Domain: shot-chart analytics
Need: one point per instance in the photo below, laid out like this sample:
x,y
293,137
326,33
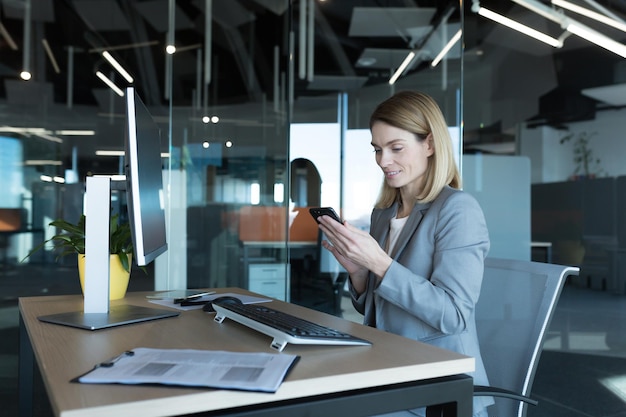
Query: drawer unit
x,y
268,279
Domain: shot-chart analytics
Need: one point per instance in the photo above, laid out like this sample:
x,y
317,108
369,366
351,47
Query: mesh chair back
x,y
513,313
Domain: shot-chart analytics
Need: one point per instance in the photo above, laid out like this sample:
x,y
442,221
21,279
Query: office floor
x,y
582,372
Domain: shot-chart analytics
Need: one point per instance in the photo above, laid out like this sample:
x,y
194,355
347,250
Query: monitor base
x,y
117,316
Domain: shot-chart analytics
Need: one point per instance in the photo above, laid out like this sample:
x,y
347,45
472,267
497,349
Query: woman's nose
x,y
383,159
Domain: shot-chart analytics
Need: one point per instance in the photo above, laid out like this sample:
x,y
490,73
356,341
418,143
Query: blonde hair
x,y
419,114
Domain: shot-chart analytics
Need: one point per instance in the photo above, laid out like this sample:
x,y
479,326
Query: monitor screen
x,y
144,181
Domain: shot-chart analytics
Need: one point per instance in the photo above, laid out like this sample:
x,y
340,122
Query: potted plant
x,y
71,240
587,165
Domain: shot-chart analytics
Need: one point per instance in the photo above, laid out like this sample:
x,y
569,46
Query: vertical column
x,y
97,223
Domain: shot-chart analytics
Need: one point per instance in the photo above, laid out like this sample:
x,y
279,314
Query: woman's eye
x,y
396,149
376,150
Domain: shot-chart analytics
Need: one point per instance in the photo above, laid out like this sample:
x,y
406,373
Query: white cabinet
x,y
269,279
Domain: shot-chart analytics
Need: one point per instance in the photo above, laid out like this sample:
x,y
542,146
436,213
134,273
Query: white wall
x,y
501,184
554,162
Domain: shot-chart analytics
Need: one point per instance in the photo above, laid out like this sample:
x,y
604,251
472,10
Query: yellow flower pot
x,y
118,282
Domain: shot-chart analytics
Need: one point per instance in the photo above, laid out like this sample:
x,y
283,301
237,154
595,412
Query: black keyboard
x,y
283,327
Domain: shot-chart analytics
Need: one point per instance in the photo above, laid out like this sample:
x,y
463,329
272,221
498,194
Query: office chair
x,y
513,313
326,281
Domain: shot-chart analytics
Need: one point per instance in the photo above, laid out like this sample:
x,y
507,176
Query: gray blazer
x,y
430,290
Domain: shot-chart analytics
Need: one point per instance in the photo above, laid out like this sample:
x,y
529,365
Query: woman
x,y
419,271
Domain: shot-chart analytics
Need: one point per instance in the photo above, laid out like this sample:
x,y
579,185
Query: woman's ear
x,y
430,144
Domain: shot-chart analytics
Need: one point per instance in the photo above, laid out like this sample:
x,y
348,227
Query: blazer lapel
x,y
380,231
409,228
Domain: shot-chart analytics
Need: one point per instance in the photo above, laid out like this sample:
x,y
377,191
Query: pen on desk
x,y
188,303
112,361
191,297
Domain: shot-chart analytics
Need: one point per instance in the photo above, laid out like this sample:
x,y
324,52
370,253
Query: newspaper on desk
x,y
194,368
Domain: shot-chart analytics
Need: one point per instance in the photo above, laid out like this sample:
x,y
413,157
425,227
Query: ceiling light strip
x,y
53,60
118,67
208,42
125,46
447,48
110,83
171,27
109,153
402,67
25,74
575,27
604,10
541,9
590,14
596,37
302,40
7,37
34,162
528,31
74,132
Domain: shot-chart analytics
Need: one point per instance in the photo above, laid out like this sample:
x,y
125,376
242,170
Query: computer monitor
x,y
146,215
144,181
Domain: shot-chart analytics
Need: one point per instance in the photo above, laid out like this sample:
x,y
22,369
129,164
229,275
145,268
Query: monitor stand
x,y
117,316
97,314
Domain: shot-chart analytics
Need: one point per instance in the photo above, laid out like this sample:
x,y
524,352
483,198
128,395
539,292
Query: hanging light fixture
x,y
25,74
590,14
575,27
110,83
118,67
512,24
447,48
402,67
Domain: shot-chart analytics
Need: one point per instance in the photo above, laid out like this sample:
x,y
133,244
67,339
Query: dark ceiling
x,y
244,36
255,26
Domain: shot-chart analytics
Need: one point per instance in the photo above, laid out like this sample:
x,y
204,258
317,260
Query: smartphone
x,y
324,211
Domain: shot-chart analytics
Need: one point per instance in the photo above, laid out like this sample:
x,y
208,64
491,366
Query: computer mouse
x,y
224,299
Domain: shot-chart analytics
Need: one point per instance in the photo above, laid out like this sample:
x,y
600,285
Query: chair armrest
x,y
482,391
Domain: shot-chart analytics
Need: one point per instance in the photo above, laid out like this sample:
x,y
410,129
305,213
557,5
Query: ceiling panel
x,y
228,13
152,11
615,94
385,58
101,15
388,21
32,92
277,7
336,83
41,11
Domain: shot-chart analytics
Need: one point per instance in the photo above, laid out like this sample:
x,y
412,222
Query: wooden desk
x,y
394,373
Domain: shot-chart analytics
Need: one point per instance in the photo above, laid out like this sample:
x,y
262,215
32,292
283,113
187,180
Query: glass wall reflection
x,y
264,109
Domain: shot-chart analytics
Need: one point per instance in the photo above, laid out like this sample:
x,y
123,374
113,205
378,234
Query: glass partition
x,y
356,65
214,77
263,109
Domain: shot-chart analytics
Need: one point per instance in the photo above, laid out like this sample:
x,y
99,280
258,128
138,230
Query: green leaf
x,y
71,239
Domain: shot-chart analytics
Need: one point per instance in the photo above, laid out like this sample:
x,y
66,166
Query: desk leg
x,y
26,362
451,401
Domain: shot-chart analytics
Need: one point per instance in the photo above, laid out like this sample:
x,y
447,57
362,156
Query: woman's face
x,y
401,156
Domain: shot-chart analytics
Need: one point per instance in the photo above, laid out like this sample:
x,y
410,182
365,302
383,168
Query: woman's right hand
x,y
357,251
